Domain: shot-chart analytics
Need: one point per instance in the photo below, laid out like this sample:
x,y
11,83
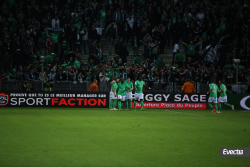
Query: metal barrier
x,y
65,85
14,85
17,85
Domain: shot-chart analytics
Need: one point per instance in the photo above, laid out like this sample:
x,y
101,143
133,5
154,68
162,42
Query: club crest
x,y
4,99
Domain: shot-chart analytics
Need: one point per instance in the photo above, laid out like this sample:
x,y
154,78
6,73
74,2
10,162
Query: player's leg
x,y
111,104
141,98
130,100
135,101
119,102
130,104
227,104
126,100
210,100
219,103
111,100
115,102
123,100
215,100
219,106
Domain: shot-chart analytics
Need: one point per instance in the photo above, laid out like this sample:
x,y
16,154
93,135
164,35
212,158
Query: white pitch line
x,y
185,113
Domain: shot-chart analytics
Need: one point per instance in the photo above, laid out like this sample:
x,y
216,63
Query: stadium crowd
x,y
68,31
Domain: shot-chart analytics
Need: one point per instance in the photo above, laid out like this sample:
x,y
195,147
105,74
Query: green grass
x,y
46,137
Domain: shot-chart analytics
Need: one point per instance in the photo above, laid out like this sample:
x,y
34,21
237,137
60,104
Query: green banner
x,y
240,101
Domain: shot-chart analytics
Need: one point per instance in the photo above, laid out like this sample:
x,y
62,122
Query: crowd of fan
x,y
64,30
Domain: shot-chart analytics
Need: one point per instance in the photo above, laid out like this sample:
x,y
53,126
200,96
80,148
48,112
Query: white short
x,y
212,99
122,97
128,95
139,96
222,99
112,95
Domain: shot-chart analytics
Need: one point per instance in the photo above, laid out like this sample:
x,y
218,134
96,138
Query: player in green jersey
x,y
129,94
213,89
139,96
113,95
223,96
122,89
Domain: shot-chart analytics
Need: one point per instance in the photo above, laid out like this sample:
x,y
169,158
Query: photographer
x,y
27,87
47,85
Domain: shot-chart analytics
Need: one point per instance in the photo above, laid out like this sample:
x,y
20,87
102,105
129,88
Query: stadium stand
x,y
167,42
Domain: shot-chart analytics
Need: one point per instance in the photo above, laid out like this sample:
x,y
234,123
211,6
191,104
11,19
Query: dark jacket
x,y
66,77
111,32
93,34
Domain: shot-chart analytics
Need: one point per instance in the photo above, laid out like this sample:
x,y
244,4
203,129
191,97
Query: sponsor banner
x,y
235,152
54,99
240,101
176,101
171,105
175,98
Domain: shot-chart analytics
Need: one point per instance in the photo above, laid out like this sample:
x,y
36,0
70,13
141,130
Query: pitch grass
x,y
46,137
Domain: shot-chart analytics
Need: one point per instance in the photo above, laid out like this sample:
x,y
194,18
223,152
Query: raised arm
x,y
155,46
143,43
182,42
199,42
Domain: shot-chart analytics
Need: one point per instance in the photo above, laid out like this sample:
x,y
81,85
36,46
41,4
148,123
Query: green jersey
x,y
191,49
139,86
110,73
114,85
77,64
122,88
213,92
102,14
223,93
55,37
130,85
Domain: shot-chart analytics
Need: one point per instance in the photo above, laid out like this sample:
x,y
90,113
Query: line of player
x,y
122,91
213,89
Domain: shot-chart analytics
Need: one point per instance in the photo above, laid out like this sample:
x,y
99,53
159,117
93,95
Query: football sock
x,y
219,107
216,107
111,104
119,104
114,104
141,104
211,106
135,104
229,105
127,103
130,103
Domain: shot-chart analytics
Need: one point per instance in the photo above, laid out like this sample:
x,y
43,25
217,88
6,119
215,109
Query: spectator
x,y
59,76
50,43
110,36
191,48
93,34
27,87
126,32
188,87
119,46
55,21
85,39
176,49
93,87
47,85
135,45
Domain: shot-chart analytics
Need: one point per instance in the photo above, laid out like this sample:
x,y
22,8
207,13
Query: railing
x,y
66,85
105,86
